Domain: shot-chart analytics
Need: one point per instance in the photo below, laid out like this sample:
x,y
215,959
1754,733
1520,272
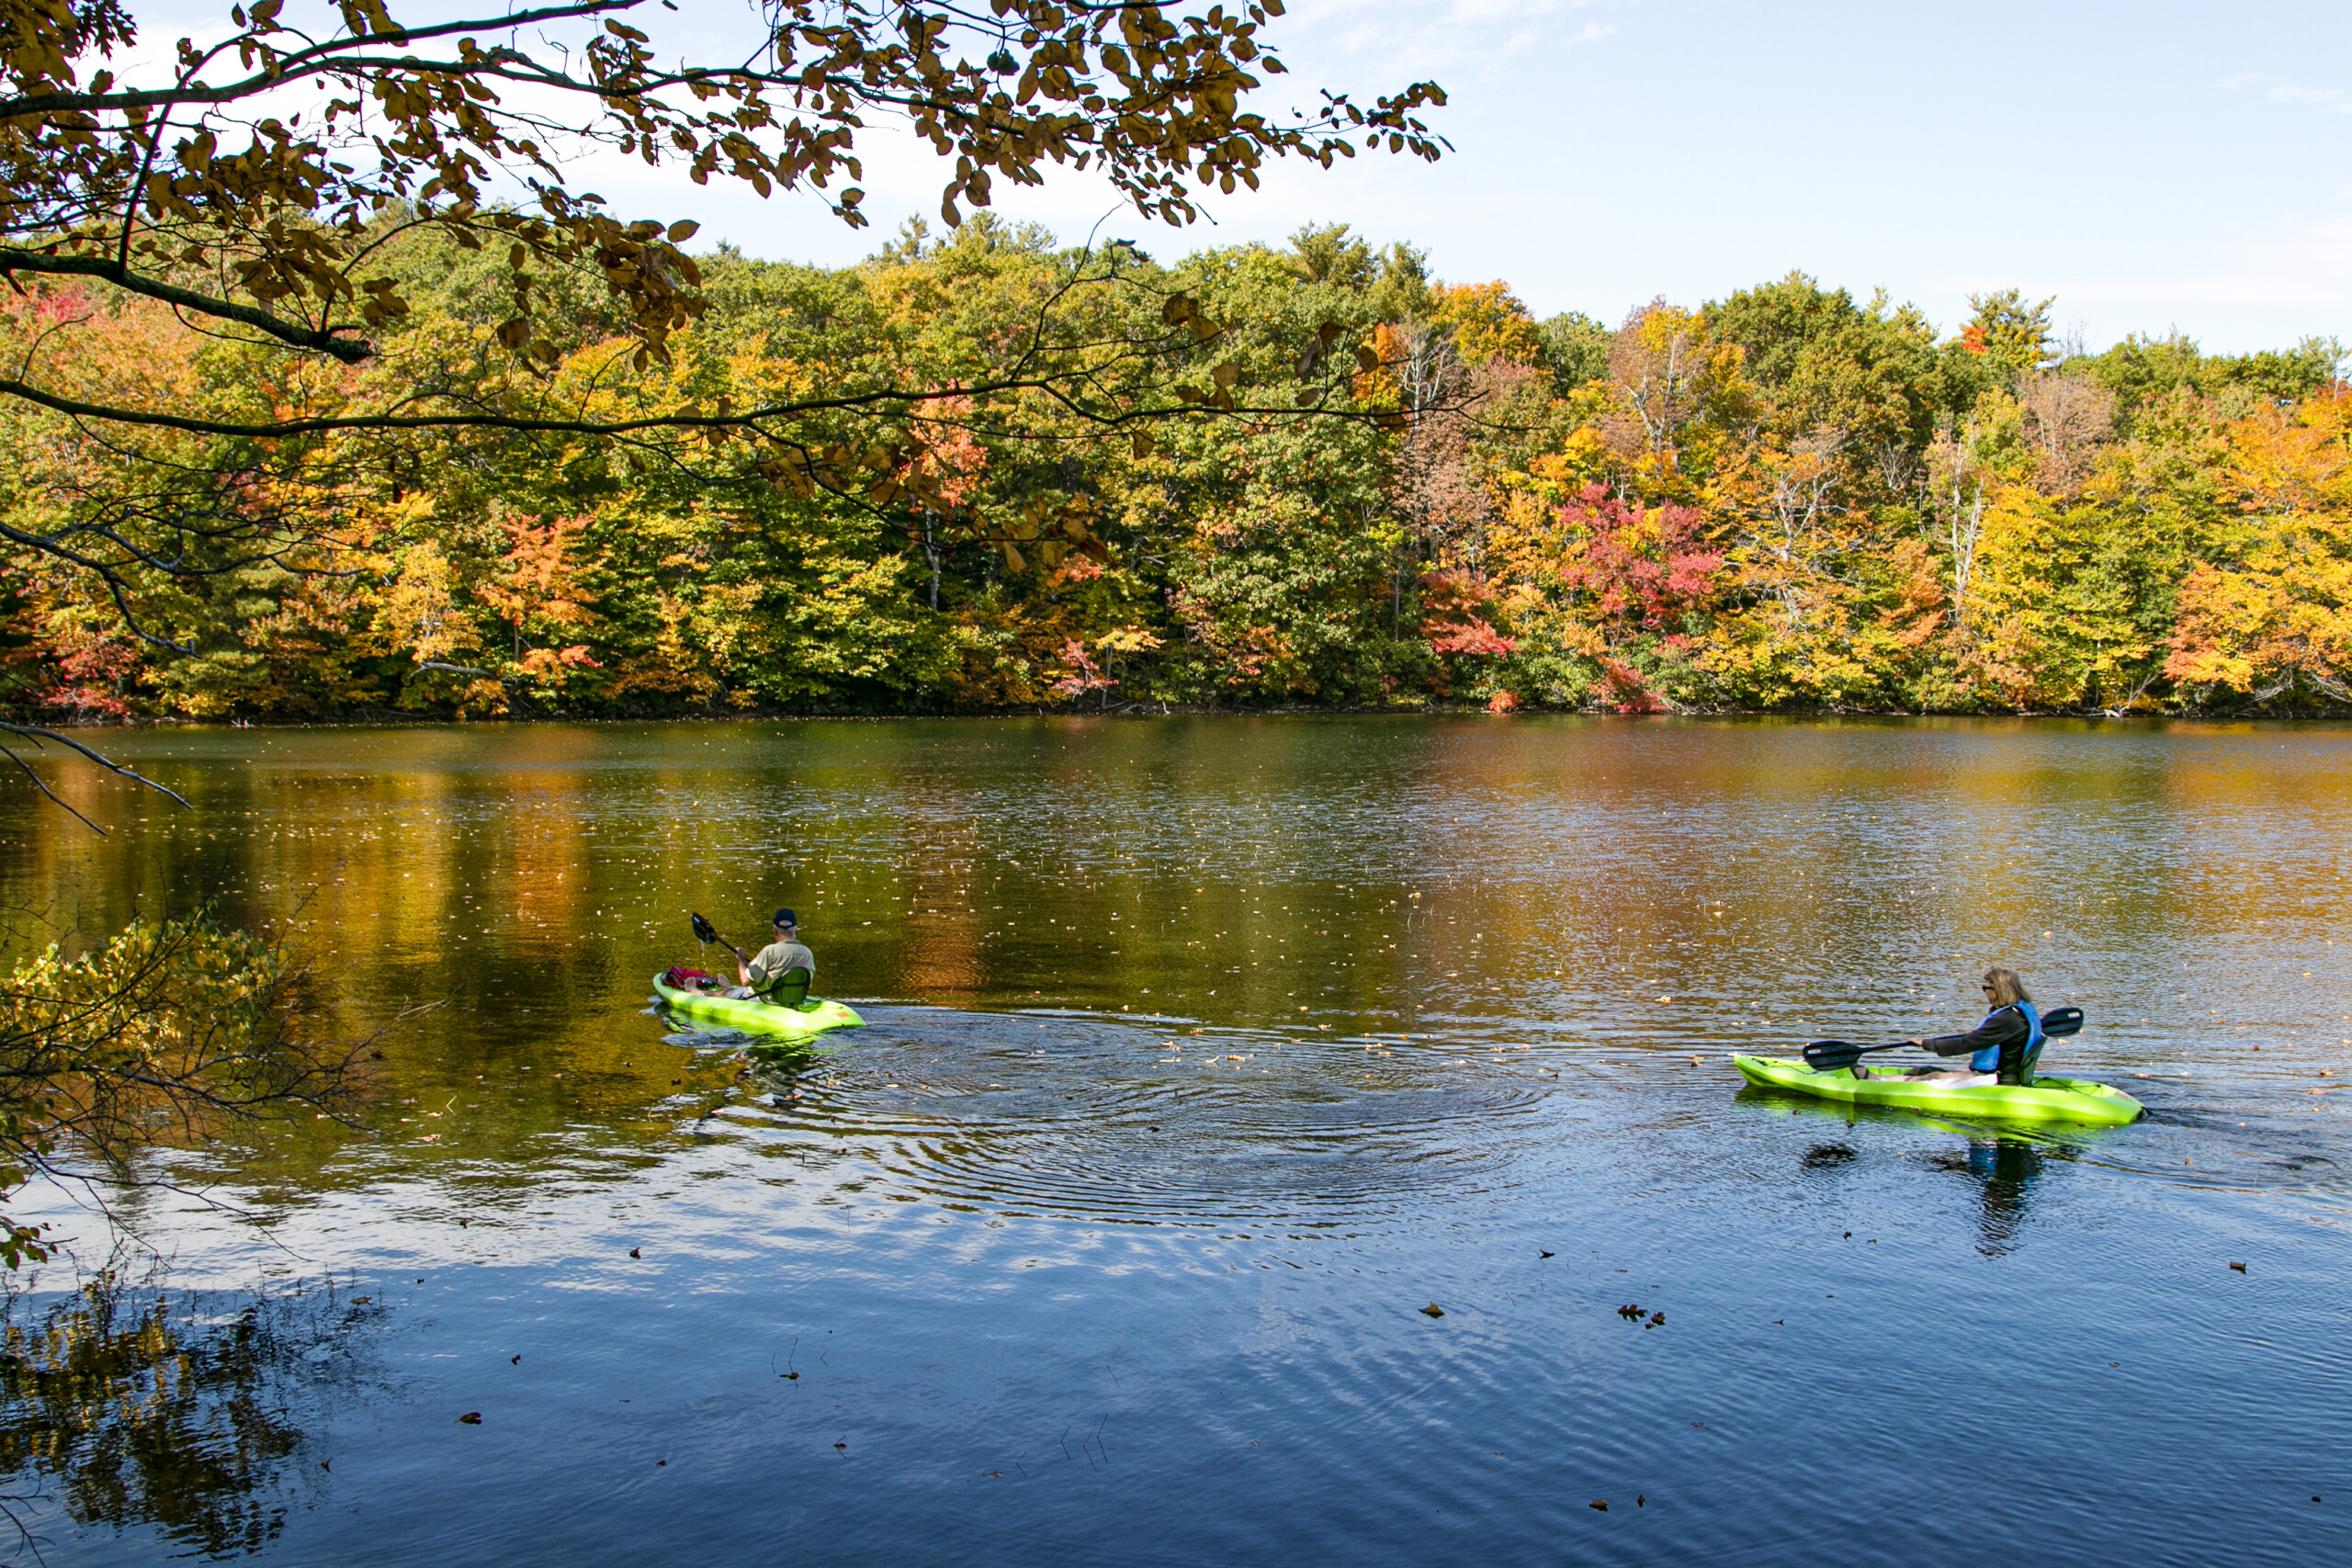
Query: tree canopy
x,y
260,182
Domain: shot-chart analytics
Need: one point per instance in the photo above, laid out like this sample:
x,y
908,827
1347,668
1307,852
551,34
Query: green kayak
x,y
805,1021
2046,1099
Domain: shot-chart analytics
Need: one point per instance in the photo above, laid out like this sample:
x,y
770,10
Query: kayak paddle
x,y
1828,1056
707,933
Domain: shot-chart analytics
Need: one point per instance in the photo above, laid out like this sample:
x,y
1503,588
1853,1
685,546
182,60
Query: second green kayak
x,y
808,1020
2046,1099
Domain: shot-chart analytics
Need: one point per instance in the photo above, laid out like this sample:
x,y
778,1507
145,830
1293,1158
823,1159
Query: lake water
x,y
1202,1054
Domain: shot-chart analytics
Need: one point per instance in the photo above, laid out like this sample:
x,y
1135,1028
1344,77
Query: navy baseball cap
x,y
786,918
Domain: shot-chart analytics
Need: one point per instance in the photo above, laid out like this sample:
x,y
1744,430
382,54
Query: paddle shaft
x,y
1828,1056
706,932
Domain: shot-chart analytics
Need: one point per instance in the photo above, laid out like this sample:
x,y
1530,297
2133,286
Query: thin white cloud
x,y
2301,267
1511,10
1431,37
2283,94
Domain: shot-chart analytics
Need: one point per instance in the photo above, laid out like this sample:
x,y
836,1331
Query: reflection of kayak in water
x,y
2045,1099
802,1020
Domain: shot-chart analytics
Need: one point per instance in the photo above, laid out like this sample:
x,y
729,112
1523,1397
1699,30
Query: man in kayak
x,y
759,973
1996,1048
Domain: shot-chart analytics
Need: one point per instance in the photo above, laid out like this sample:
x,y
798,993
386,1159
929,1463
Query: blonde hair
x,y
2005,986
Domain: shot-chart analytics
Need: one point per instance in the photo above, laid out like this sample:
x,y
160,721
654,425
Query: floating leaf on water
x,y
1599,1503
471,1418
844,1447
1539,1253
513,1360
791,1377
1657,1319
633,1252
1432,1310
2239,1267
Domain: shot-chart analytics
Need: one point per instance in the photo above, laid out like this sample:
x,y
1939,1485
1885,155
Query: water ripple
x,y
1108,1120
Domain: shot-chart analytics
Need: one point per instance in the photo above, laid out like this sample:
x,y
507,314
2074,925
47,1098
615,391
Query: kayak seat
x,y
2020,1075
789,989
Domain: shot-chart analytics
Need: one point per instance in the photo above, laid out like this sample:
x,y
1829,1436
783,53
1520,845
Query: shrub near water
x,y
168,1032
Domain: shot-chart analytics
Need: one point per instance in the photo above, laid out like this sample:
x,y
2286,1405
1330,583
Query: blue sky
x,y
2151,164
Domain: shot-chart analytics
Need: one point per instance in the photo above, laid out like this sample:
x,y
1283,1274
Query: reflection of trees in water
x,y
2005,1170
126,1405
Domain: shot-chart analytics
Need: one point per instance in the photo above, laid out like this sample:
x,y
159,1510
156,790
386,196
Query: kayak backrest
x,y
789,989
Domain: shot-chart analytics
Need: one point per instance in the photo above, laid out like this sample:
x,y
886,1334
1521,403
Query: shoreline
x,y
388,719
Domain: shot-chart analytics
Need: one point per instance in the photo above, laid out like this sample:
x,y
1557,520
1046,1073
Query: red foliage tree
x,y
1642,565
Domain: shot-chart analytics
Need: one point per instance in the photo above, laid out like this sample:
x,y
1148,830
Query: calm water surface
x,y
1202,1054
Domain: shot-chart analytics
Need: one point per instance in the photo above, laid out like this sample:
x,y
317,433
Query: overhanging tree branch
x,y
351,351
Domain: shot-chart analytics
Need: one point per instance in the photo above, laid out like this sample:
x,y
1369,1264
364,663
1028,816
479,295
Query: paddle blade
x,y
1828,1056
704,931
2062,1020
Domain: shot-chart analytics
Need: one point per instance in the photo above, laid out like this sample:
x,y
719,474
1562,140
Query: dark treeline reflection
x,y
127,1405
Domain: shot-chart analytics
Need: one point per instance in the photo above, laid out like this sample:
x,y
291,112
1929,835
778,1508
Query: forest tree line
x,y
1785,498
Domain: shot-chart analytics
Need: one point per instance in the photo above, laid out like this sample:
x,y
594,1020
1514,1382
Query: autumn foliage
x,y
1421,495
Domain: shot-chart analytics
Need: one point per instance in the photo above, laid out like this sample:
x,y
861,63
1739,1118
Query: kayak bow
x,y
2046,1099
805,1021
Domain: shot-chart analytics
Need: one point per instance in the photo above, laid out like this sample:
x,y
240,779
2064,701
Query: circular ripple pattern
x,y
1082,1117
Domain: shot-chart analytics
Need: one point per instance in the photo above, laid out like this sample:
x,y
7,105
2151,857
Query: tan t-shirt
x,y
775,958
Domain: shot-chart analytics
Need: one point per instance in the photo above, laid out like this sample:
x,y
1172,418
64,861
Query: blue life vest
x,y
1989,1060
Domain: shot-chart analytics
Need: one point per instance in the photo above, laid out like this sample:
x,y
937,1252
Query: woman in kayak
x,y
1997,1049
